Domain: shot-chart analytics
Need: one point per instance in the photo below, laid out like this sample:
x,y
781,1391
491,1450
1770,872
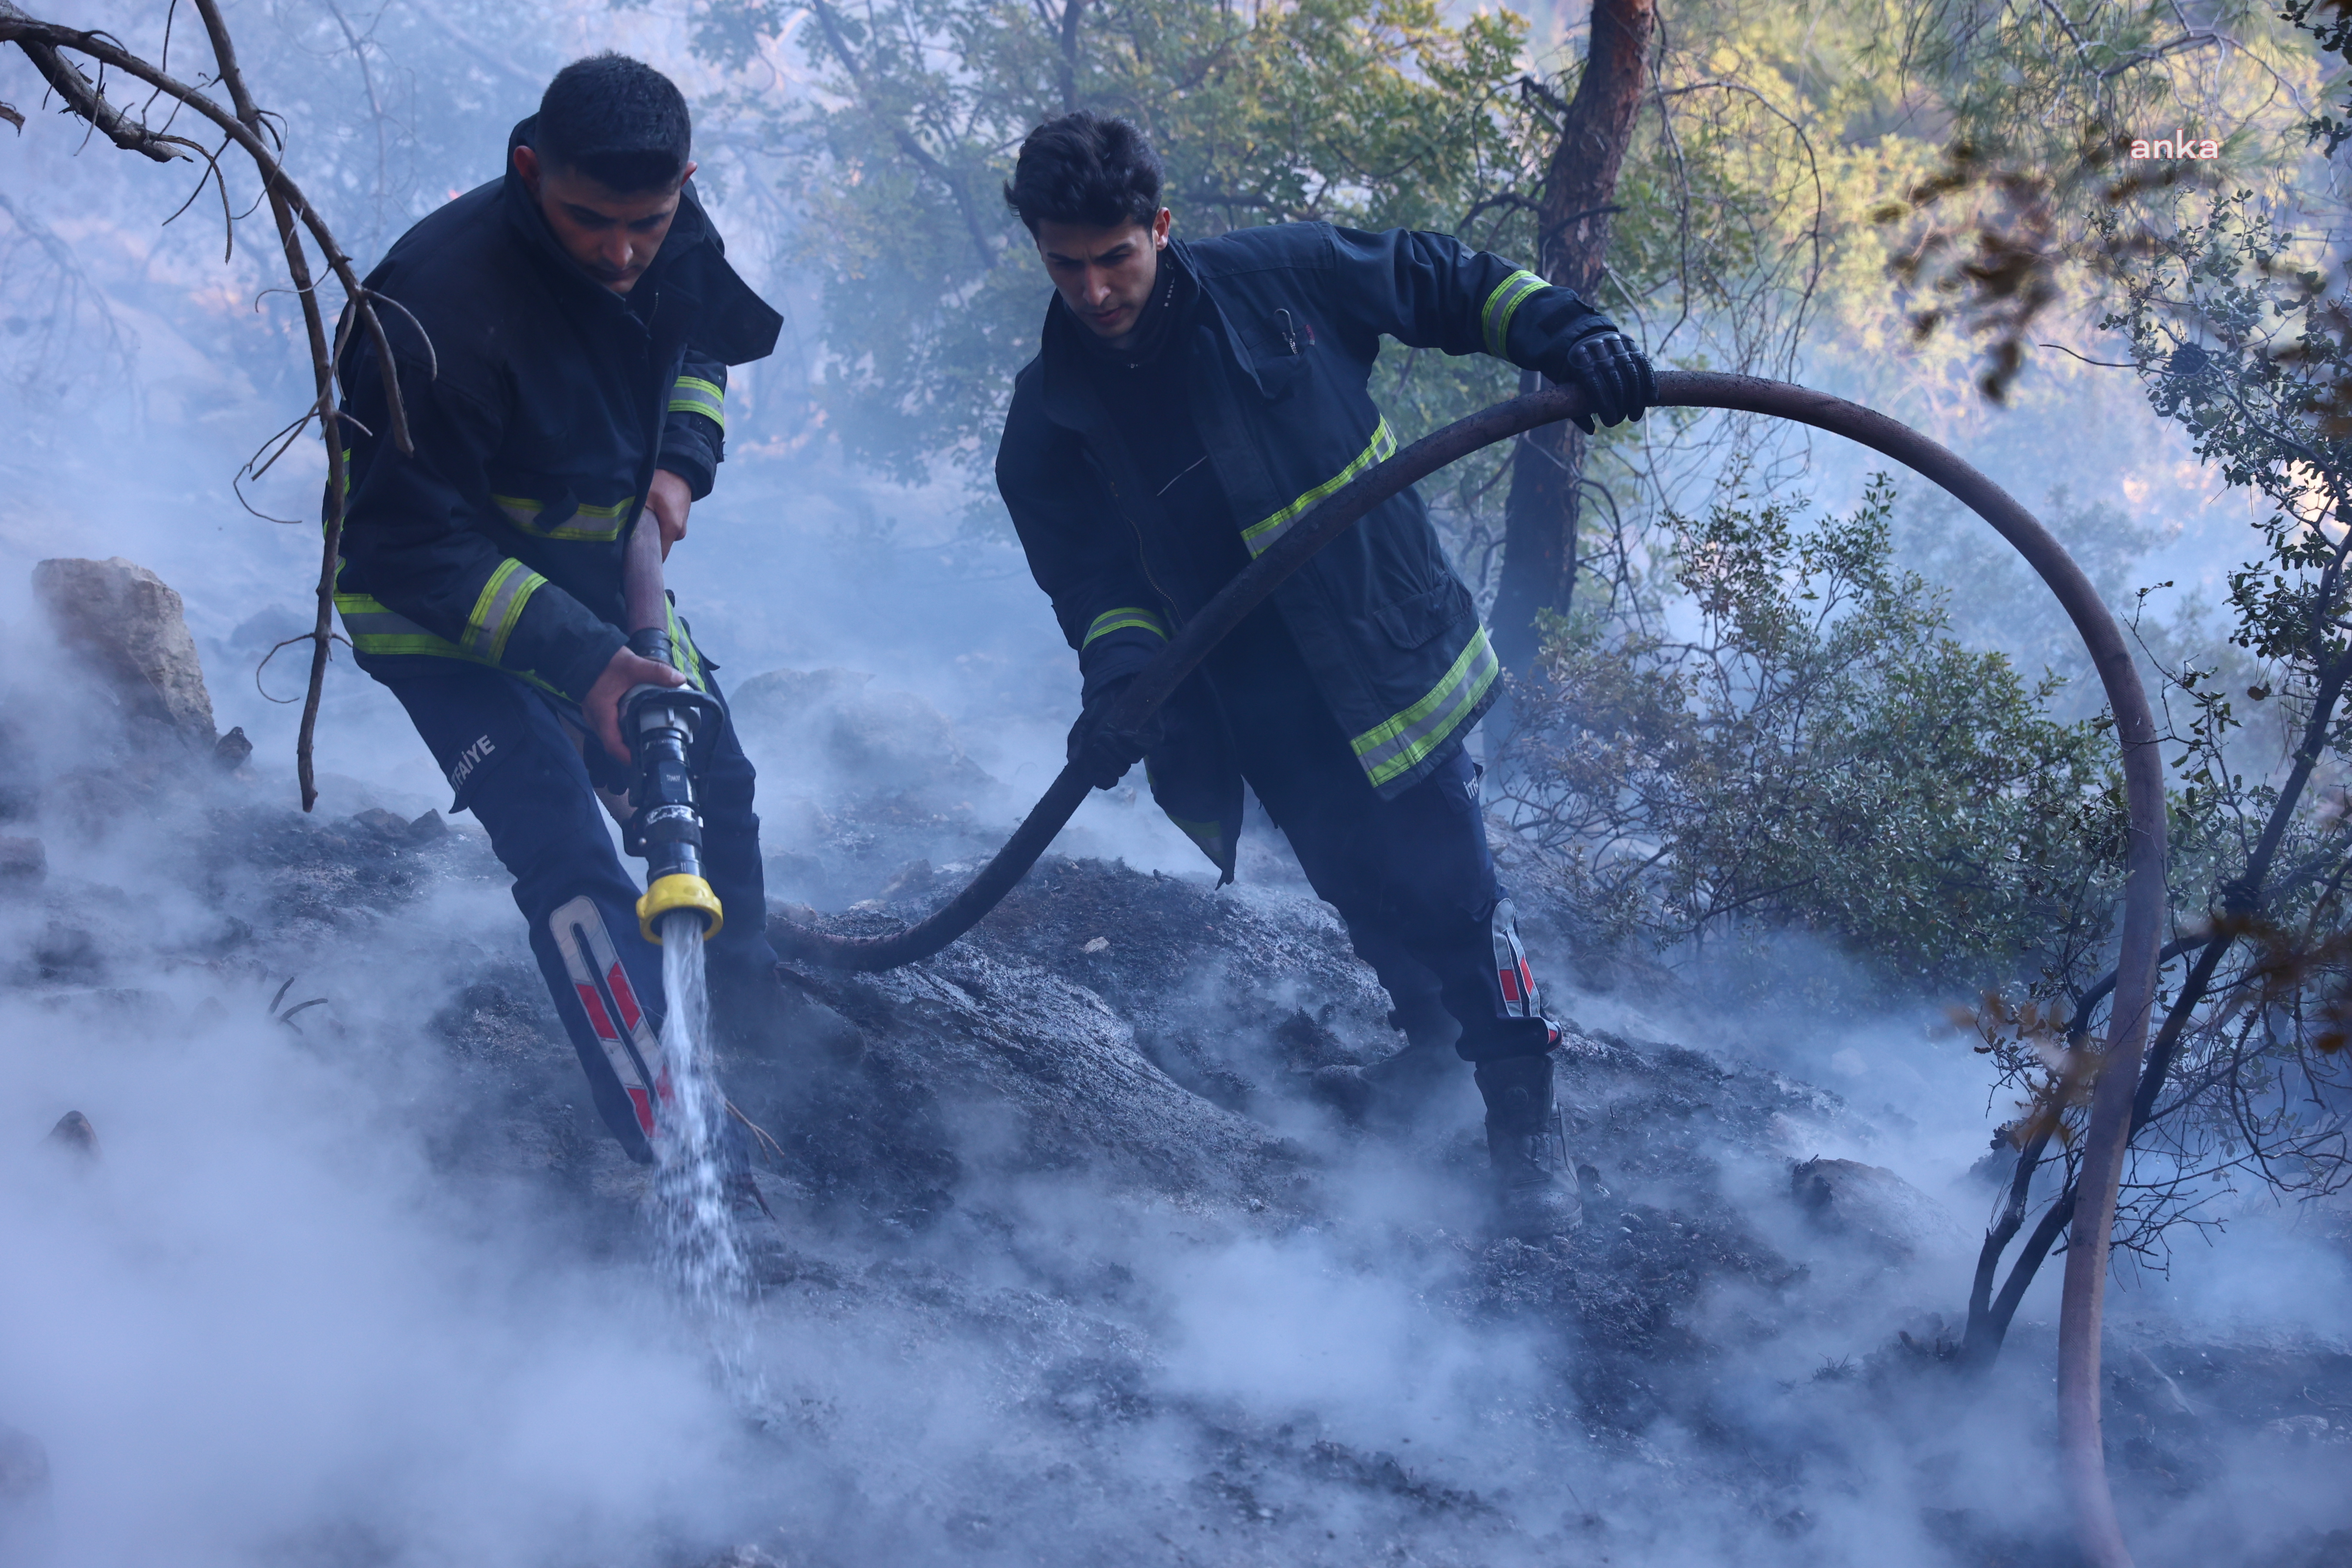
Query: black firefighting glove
x,y
1612,373
1102,754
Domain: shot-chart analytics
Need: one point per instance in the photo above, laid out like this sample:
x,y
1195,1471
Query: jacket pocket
x,y
1279,348
1410,623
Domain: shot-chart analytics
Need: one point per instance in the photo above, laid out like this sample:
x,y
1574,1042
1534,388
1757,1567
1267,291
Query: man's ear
x,y
1160,229
525,162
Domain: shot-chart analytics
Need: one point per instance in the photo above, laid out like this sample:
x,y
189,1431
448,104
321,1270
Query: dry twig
x,y
250,128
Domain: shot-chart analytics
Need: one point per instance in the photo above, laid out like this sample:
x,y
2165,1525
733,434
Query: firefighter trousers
x,y
517,763
1412,877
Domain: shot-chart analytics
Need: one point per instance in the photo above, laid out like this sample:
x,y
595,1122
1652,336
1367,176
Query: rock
x,y
74,1135
376,818
22,859
428,827
1871,1204
232,750
131,627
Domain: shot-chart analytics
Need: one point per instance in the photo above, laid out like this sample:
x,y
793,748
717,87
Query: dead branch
x,y
84,98
251,129
322,365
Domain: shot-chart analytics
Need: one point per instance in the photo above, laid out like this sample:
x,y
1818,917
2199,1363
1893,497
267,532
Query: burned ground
x,y
1035,1175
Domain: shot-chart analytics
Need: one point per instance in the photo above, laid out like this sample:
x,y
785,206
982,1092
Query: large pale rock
x,y
130,627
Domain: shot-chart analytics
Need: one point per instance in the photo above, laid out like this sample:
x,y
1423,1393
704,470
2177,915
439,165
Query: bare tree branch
x,y
248,125
82,96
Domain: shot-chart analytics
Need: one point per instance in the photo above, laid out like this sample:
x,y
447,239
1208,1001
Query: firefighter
x,y
562,336
1187,405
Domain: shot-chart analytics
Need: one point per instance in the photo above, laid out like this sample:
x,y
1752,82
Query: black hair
x,y
1085,170
617,121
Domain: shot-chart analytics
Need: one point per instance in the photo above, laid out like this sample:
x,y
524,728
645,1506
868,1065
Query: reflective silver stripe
x,y
499,608
695,396
1495,319
1397,745
1260,536
1135,616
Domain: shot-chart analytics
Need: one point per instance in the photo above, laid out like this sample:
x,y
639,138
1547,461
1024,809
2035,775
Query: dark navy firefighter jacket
x,y
1282,341
539,410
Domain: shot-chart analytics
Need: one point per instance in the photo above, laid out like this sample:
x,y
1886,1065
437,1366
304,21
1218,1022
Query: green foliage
x,y
1818,753
1371,113
2251,354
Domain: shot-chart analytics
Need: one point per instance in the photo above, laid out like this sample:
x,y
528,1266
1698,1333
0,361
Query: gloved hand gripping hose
x,y
670,730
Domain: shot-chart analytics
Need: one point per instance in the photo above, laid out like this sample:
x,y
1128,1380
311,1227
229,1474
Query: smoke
x,y
337,1291
259,1329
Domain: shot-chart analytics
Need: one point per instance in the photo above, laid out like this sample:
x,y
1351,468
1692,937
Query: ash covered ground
x,y
1073,1265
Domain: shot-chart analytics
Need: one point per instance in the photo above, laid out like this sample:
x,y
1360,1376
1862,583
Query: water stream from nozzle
x,y
693,1216
699,1242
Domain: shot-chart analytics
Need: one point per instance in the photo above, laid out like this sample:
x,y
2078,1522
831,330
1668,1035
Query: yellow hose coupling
x,y
679,892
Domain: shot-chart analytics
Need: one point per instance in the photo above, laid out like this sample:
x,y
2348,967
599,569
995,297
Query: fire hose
x,y
2083,1458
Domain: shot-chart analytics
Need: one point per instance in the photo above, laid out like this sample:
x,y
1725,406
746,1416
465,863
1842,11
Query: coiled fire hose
x,y
2082,1458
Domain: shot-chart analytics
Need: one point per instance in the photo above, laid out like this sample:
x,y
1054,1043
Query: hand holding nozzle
x,y
626,672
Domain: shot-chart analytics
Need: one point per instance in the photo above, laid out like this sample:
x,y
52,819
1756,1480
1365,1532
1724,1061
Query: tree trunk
x,y
1572,245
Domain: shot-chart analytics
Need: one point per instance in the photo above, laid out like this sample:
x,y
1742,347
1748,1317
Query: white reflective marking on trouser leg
x,y
1511,970
615,1015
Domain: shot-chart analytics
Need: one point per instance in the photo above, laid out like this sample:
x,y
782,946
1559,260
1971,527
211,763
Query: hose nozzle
x,y
669,730
677,891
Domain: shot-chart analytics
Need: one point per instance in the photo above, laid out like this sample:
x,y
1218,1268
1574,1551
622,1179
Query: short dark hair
x,y
617,121
1086,170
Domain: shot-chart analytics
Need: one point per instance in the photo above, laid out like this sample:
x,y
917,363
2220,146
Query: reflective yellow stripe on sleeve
x,y
498,609
1126,616
1395,746
694,395
374,629
386,633
1260,536
1494,318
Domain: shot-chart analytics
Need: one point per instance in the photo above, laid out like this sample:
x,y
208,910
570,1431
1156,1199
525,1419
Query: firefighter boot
x,y
1528,1147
